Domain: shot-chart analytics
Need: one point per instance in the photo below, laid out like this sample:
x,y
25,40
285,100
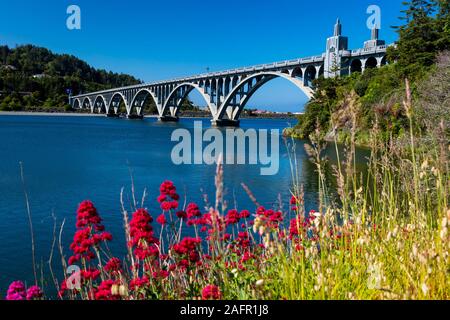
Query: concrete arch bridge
x,y
227,93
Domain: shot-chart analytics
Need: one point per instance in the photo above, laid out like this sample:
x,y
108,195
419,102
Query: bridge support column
x,y
225,123
168,119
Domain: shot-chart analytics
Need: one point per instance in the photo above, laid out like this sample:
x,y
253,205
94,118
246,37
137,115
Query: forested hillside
x,y
34,78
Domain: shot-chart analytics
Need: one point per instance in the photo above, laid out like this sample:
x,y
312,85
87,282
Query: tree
x,y
423,35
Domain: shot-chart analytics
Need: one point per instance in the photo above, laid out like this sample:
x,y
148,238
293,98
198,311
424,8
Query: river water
x,y
69,159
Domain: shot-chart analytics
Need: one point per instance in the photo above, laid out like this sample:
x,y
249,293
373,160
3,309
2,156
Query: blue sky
x,y
159,39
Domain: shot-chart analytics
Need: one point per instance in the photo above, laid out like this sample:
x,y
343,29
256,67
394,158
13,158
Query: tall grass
x,y
385,237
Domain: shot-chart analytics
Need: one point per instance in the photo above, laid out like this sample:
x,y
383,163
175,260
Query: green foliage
x,y
424,34
40,78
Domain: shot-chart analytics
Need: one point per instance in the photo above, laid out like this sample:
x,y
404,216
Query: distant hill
x,y
34,78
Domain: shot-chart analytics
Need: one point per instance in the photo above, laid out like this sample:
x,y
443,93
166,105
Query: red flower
x,y
181,214
113,266
293,200
193,211
139,283
141,233
188,250
232,217
211,292
103,292
244,214
89,234
270,217
161,198
161,219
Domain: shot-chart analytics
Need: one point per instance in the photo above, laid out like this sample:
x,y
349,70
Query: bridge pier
x,y
112,115
168,119
225,123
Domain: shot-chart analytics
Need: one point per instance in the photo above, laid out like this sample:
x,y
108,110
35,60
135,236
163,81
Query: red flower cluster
x,y
161,219
113,266
17,291
188,251
90,233
211,292
168,197
232,217
271,218
194,215
104,292
139,283
141,233
154,268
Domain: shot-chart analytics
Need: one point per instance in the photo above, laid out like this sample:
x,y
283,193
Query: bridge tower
x,y
337,48
374,41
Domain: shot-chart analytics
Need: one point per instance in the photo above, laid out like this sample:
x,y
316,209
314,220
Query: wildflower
x,y
161,219
34,293
90,274
181,214
269,218
211,292
142,237
90,233
113,266
168,205
16,291
259,283
187,250
424,288
244,214
193,211
232,217
87,215
139,283
104,291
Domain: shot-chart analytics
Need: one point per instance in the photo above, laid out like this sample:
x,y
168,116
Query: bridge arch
x,y
76,104
356,66
310,75
179,93
87,103
114,104
371,63
144,94
297,73
261,79
100,102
